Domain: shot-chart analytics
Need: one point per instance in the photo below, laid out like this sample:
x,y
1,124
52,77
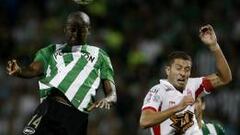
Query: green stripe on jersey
x,y
83,90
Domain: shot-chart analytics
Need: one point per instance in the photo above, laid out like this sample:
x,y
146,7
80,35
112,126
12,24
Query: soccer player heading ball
x,y
69,75
168,107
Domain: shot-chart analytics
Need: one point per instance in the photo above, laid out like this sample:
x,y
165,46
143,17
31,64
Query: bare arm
x,y
223,75
33,70
150,118
111,96
110,91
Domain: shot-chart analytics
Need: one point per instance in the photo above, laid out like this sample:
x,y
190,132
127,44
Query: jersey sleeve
x,y
106,69
220,130
153,99
43,56
202,86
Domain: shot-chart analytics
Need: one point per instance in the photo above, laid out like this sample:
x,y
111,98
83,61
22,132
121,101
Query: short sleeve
x,y
106,69
203,86
220,130
43,55
153,99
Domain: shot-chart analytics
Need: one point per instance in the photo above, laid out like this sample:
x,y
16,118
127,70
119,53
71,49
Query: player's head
x,y
199,108
77,28
178,69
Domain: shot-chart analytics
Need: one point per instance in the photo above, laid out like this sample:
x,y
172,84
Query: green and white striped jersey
x,y
212,128
76,71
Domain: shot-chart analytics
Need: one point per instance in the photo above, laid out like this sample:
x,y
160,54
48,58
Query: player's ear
x,y
167,70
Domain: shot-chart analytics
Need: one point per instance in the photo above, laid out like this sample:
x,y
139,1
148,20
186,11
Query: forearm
x,y
27,72
111,94
150,118
223,68
110,91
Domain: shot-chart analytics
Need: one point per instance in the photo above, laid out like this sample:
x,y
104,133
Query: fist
x,y
186,100
13,68
207,35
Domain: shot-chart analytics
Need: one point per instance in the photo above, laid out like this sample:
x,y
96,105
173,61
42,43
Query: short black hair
x,y
80,18
178,55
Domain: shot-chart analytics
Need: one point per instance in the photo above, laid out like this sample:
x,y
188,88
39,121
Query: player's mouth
x,y
181,81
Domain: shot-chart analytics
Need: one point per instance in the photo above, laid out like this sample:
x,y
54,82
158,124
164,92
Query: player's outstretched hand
x,y
208,36
13,68
102,104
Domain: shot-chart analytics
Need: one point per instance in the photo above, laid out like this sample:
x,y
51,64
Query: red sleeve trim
x,y
149,107
207,85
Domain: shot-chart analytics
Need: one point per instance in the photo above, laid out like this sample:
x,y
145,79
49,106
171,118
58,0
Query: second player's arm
x,y
223,75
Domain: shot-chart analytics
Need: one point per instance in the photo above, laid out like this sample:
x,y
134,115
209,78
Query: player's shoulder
x,y
96,48
51,47
158,88
194,80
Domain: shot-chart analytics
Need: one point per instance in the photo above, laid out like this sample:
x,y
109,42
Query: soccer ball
x,y
83,2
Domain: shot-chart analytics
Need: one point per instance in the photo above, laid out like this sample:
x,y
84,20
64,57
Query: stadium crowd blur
x,y
138,35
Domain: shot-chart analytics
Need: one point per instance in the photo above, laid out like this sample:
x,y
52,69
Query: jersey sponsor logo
x,y
28,131
153,91
88,57
182,122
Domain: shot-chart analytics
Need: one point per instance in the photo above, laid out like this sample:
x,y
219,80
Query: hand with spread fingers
x,y
102,104
13,68
208,36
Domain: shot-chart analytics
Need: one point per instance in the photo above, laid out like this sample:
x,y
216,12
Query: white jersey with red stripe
x,y
163,96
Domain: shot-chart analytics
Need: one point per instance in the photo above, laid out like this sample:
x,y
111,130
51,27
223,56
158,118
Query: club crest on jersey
x,y
58,52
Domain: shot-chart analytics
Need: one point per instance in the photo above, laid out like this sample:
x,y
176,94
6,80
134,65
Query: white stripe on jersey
x,y
64,71
82,76
43,86
92,91
211,129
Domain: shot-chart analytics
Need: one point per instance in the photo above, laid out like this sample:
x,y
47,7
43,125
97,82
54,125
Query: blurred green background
x,y
138,35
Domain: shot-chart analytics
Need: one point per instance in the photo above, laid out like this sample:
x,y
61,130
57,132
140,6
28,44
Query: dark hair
x,y
79,17
178,55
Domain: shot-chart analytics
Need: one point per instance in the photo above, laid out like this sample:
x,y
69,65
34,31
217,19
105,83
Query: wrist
x,y
214,47
19,72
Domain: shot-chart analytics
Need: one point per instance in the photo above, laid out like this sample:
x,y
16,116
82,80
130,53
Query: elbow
x,y
144,123
228,79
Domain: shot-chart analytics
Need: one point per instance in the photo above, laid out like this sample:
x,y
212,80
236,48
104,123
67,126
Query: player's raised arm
x,y
33,70
223,75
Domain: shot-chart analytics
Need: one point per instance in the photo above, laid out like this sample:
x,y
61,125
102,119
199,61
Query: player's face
x,y
75,33
178,73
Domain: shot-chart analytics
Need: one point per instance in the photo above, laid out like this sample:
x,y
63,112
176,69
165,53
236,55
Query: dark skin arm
x,y
111,96
33,70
